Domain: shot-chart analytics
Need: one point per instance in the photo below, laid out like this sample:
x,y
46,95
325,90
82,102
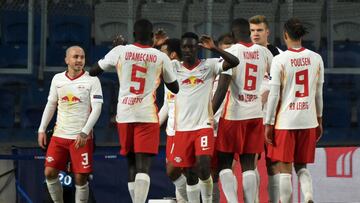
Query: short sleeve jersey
x,y
73,97
244,101
193,107
297,72
139,69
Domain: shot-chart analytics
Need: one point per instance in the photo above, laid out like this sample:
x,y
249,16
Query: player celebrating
x,y
171,47
78,99
240,126
259,28
294,111
193,114
139,67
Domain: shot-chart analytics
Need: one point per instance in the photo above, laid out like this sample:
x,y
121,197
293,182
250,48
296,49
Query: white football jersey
x,y
139,69
297,71
244,100
169,100
193,107
73,98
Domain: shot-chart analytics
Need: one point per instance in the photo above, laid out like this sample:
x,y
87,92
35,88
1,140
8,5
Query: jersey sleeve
x,y
110,59
275,72
167,70
321,71
53,96
96,95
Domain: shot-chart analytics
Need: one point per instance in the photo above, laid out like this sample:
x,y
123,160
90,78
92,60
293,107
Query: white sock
x,y
216,192
273,188
131,188
229,185
257,200
179,198
180,185
193,193
55,190
249,186
82,193
306,183
142,184
206,188
285,187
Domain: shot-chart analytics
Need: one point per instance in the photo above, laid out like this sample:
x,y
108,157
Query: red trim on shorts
x,y
296,50
67,75
141,45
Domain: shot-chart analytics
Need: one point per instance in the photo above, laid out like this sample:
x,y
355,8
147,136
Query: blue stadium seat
x,y
14,28
69,30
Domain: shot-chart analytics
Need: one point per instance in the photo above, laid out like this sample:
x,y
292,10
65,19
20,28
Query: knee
x,y
173,173
81,179
51,173
192,179
204,172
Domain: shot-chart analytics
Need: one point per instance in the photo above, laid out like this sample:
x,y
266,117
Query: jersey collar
x,y
297,50
66,74
191,67
246,44
141,45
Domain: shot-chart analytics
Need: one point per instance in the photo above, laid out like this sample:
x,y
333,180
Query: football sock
x,y
249,186
285,187
55,190
180,185
82,193
193,193
131,187
273,188
206,188
142,184
229,185
257,200
306,183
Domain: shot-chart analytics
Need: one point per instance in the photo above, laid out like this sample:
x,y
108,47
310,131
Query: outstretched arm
x,y
230,60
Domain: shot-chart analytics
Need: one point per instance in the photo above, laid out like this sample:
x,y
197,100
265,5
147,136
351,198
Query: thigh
x,y
305,146
126,137
57,155
254,136
184,150
82,158
146,138
284,146
229,138
204,142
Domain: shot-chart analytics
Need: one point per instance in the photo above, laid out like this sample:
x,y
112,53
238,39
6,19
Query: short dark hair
x,y
295,29
225,39
240,27
190,35
173,45
143,30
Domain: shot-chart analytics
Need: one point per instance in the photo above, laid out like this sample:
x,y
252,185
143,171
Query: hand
x,y
42,140
269,134
207,42
160,37
81,140
118,40
319,132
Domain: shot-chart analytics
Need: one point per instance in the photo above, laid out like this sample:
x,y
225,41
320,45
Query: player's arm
x,y
220,92
273,101
163,113
96,100
230,60
109,61
168,75
48,113
319,100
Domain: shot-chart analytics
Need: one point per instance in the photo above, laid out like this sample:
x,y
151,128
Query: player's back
x,y
244,101
300,71
139,68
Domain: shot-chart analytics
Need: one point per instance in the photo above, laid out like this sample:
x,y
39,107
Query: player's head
x,y
189,46
240,29
143,31
259,28
171,47
75,58
225,41
294,30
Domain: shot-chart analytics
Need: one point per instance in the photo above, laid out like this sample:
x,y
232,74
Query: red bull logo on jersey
x,y
69,98
192,81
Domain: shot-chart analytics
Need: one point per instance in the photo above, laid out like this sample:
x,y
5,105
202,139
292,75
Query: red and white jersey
x,y
297,71
193,107
169,100
243,100
139,69
73,98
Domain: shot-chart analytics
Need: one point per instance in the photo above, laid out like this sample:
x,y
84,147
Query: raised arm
x,y
230,60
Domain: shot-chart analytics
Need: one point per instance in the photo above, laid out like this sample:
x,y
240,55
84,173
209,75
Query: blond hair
x,y
259,19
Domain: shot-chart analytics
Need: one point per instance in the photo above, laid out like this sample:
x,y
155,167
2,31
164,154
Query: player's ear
x,y
173,55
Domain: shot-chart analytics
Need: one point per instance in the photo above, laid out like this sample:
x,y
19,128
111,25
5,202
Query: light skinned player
x,y
294,113
73,93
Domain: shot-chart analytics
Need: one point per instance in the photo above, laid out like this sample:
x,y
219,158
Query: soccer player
x,y
171,47
194,139
294,112
139,67
78,100
241,124
259,28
